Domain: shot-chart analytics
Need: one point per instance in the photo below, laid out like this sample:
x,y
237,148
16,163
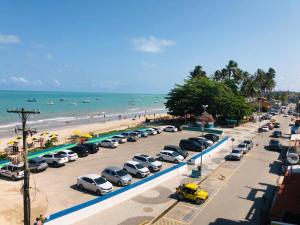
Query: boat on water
x,y
155,102
32,100
99,99
62,99
73,103
50,103
86,101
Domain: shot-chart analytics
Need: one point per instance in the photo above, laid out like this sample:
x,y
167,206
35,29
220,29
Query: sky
x,y
143,46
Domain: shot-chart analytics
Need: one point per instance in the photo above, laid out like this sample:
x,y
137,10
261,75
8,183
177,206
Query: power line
x,y
24,114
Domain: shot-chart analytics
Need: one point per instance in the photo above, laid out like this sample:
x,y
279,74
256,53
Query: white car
x,y
243,147
170,129
238,151
119,138
95,183
151,131
170,156
136,168
109,143
148,161
55,159
13,171
286,115
265,128
72,156
234,155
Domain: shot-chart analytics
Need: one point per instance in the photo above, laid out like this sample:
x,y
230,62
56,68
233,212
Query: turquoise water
x,y
68,106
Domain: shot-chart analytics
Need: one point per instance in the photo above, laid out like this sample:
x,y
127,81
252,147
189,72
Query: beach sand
x,y
65,132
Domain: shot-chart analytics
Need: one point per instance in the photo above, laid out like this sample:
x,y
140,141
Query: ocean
x,y
59,108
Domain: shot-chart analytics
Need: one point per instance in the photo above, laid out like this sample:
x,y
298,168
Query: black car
x,y
92,147
131,139
275,145
277,134
37,164
190,145
212,137
176,149
200,141
82,151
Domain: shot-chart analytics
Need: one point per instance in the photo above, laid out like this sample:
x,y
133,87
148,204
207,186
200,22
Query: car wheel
x,y
139,175
80,187
55,164
98,192
199,201
13,178
176,161
119,183
180,197
160,158
151,169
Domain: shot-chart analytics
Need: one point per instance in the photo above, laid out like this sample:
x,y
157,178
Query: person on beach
x,y
120,117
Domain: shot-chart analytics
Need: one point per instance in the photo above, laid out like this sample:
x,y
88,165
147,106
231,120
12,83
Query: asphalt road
x,y
242,195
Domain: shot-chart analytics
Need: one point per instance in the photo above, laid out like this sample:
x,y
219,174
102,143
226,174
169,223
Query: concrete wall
x,y
87,209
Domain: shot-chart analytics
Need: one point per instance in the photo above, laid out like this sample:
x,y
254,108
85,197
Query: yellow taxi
x,y
192,192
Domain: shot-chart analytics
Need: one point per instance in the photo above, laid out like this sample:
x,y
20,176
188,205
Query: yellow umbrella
x,y
12,142
54,135
18,138
76,132
44,134
86,136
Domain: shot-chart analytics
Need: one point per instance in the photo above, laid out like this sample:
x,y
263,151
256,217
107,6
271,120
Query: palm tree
x,y
249,86
197,72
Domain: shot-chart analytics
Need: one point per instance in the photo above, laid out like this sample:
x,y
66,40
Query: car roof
x,y
142,155
192,186
171,146
167,151
36,159
92,176
132,162
114,168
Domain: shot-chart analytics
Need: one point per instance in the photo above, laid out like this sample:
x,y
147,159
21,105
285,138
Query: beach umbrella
x,y
86,136
44,134
18,138
76,132
54,135
12,142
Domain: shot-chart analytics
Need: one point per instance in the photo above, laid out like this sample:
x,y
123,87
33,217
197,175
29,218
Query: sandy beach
x,y
66,131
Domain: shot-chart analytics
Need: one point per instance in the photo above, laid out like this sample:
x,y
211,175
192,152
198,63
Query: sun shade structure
x,y
86,136
76,132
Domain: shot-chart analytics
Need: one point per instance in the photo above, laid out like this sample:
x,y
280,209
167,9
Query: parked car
x,y
158,129
244,147
264,129
109,143
37,164
170,129
94,183
142,133
81,151
249,144
234,155
72,156
55,159
117,176
191,192
270,126
119,138
239,152
152,164
200,141
212,137
166,155
190,145
286,115
92,147
151,131
131,139
277,125
13,171
277,134
176,149
209,142
275,145
135,168
135,135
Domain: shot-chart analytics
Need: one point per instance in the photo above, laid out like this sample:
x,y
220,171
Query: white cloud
x,y
152,44
9,39
19,80
56,82
49,56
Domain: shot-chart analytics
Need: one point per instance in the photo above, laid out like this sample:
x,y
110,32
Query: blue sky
x,y
143,46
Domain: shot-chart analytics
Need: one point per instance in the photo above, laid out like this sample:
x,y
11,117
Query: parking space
x,y
55,189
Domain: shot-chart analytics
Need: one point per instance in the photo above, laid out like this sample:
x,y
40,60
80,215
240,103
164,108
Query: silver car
x,y
13,171
117,176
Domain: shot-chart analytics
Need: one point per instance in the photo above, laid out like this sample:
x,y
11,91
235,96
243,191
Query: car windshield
x,y
274,142
242,146
151,159
247,142
139,166
100,180
58,156
121,173
236,151
175,154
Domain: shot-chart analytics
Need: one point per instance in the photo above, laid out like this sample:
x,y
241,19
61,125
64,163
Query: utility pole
x,y
24,114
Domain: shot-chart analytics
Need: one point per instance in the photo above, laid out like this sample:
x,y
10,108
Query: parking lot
x,y
55,189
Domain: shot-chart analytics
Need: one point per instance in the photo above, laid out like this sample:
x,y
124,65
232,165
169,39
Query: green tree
x,y
197,72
